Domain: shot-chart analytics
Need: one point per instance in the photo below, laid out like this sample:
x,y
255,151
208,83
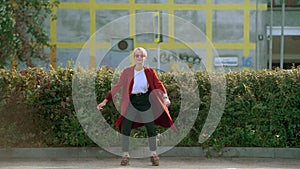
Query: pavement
x,y
176,158
144,163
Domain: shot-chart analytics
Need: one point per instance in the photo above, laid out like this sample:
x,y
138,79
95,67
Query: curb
x,y
96,152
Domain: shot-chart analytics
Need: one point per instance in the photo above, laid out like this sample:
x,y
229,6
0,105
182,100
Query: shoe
x,y
125,161
155,160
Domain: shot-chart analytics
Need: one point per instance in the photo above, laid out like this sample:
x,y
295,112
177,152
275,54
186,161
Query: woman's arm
x,y
158,84
103,103
109,96
114,90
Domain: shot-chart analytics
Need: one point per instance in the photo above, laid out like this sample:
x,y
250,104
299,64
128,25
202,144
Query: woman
x,y
144,102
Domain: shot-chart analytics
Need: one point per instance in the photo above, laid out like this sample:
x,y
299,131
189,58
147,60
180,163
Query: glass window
x,y
192,22
151,1
66,56
190,1
288,3
73,25
276,2
111,23
228,2
73,1
112,1
145,26
293,3
228,26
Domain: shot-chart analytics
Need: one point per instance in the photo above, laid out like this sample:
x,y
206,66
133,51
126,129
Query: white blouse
x,y
140,84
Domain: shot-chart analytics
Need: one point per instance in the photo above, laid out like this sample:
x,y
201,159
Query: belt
x,y
139,94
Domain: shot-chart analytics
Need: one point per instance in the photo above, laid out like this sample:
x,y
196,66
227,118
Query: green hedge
x,y
262,108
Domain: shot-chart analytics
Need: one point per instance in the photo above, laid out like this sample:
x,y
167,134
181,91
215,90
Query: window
x,y
288,3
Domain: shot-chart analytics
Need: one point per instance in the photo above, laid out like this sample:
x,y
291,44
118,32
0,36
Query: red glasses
x,y
139,56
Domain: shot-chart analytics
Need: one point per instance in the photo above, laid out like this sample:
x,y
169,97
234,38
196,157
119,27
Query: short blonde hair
x,y
140,50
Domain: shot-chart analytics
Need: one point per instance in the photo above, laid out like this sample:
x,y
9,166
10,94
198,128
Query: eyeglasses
x,y
139,56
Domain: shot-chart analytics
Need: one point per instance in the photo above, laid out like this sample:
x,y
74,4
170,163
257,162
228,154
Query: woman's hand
x,y
100,105
167,101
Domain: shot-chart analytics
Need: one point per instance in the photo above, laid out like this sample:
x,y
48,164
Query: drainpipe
x,y
257,41
271,37
282,33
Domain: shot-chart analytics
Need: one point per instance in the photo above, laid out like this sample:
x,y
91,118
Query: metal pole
x,y
271,36
158,56
282,34
158,37
257,41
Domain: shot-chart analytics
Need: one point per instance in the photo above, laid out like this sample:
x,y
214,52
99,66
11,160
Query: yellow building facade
x,y
229,26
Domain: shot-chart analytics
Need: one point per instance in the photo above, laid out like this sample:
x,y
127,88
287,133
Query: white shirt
x,y
140,84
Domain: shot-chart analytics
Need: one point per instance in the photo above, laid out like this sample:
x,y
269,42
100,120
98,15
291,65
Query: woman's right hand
x,y
100,105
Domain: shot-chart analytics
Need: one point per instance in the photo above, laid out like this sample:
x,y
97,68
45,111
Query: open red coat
x,y
156,90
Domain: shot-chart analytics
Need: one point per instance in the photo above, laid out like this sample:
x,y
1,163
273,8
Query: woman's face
x,y
139,57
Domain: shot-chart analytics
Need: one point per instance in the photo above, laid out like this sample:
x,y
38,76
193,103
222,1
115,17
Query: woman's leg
x,y
152,143
148,119
125,131
151,131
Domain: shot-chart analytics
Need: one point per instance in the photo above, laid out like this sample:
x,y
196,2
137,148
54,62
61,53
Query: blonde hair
x,y
140,50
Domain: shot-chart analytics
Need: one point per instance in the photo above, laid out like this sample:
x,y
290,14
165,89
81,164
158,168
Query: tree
x,y
22,35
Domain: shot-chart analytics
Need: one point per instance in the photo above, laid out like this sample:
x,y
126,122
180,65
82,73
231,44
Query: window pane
x,y
73,1
152,1
73,25
228,26
277,2
108,20
190,1
192,22
228,2
295,2
112,1
145,26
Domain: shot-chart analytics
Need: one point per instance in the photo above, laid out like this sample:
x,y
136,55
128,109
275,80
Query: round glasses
x,y
139,56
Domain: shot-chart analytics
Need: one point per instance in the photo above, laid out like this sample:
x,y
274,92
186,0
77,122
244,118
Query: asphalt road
x,y
165,163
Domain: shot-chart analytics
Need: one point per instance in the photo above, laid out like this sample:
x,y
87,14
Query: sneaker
x,y
125,161
155,160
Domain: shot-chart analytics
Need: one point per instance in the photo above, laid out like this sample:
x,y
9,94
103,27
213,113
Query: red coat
x,y
156,88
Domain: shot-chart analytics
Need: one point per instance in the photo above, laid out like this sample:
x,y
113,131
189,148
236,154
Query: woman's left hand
x,y
167,102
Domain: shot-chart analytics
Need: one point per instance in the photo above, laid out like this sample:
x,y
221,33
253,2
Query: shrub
x,y
262,108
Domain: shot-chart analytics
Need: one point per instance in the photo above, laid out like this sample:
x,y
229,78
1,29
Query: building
x,y
283,34
212,35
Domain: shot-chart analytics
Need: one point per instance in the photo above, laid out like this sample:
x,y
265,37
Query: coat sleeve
x,y
157,82
114,90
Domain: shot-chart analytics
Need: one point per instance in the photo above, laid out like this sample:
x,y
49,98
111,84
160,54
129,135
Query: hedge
x,y
261,108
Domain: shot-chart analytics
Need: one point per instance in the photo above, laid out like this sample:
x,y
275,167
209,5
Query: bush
x,y
262,108
19,125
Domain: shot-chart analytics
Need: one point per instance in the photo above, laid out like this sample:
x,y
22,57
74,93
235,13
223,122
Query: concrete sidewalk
x,y
97,152
144,163
175,158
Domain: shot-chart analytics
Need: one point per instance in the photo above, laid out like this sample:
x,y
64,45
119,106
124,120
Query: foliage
x,y
19,125
50,93
22,35
262,108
